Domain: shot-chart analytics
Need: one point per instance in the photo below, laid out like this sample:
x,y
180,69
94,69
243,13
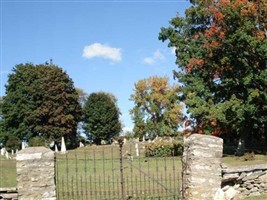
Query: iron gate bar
x,y
147,175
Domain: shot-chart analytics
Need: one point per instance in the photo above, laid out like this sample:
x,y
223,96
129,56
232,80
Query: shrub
x,y
37,141
164,148
13,142
249,156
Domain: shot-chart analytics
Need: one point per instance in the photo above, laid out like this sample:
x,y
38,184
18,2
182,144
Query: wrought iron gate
x,y
115,172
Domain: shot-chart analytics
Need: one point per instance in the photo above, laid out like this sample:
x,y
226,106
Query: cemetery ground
x,y
75,163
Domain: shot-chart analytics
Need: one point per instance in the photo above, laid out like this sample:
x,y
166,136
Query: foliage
x,y
101,117
164,148
249,156
37,141
129,135
221,51
13,142
157,110
40,101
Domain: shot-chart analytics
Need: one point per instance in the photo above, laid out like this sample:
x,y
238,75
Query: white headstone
x,y
3,151
12,152
137,149
17,151
23,145
63,146
56,149
81,144
7,156
144,139
52,144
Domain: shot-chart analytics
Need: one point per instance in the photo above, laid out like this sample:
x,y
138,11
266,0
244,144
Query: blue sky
x,y
102,45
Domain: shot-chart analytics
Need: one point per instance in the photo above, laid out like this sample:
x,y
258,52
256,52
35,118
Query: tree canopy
x,y
101,117
221,51
40,101
157,110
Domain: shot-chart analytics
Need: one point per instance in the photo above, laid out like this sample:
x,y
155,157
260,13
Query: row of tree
x,y
42,102
42,105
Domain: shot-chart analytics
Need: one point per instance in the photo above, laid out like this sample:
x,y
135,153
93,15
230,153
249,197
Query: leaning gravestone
x,y
201,167
36,174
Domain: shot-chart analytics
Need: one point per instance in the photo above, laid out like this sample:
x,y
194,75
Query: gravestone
x,y
3,151
63,146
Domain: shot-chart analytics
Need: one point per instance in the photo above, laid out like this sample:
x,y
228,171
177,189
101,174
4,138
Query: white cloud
x,y
102,51
149,61
154,59
158,55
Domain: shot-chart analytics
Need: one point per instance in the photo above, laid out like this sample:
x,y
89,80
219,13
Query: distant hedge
x,y
164,148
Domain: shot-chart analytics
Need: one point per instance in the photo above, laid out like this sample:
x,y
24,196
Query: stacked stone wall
x,y
9,193
246,180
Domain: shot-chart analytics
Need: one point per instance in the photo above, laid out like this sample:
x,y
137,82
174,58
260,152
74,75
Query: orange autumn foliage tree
x,y
157,110
221,51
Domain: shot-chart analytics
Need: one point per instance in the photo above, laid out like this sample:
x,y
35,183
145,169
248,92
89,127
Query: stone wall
x,y
245,180
9,193
201,167
36,174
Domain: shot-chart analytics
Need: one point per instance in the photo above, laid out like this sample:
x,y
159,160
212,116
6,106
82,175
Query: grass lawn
x,y
239,161
262,197
7,172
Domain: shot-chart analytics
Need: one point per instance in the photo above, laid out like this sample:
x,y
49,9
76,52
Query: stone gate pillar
x,y
36,174
201,167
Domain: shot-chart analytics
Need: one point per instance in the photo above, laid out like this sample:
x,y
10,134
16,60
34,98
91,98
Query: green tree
x,y
101,117
2,132
157,110
41,101
221,51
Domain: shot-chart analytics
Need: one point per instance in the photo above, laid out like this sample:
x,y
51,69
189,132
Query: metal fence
x,y
116,172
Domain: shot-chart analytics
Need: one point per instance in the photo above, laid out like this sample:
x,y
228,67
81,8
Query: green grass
x,y
239,161
7,172
261,197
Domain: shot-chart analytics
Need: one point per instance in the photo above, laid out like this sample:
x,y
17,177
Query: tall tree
x,y
41,101
101,116
221,51
157,110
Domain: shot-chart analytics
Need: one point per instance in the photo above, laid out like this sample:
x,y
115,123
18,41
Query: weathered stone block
x,y
35,174
202,164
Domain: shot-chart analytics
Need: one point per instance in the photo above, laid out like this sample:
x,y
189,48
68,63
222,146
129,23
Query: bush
x,y
164,148
13,142
249,156
37,141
